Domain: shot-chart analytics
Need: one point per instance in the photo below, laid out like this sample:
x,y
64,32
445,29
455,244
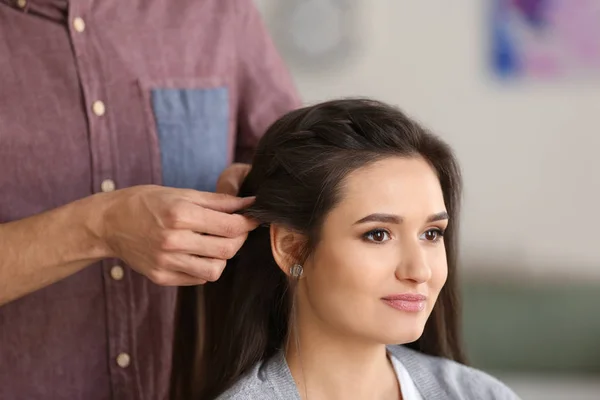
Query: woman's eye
x,y
377,236
432,235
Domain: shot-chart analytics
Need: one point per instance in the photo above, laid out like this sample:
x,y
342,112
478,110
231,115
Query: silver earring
x,y
296,271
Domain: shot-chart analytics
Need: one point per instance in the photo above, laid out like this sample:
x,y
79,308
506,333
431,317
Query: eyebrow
x,y
438,217
396,219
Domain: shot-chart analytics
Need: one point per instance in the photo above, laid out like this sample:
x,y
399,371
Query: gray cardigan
x,y
435,378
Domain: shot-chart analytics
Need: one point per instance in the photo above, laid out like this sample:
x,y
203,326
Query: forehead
x,y
397,185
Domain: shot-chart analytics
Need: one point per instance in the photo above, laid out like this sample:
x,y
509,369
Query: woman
x,y
348,289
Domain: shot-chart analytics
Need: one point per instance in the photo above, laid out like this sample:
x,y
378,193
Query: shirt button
x,y
117,272
79,25
21,3
108,185
98,108
123,360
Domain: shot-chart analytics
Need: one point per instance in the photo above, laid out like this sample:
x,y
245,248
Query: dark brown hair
x,y
296,175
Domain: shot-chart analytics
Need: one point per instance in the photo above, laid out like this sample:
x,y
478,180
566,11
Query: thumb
x,y
228,186
231,179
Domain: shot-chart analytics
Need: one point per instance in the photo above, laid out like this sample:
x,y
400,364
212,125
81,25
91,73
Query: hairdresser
x,y
118,121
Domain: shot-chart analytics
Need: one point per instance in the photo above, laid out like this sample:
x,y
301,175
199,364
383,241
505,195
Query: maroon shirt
x,y
104,94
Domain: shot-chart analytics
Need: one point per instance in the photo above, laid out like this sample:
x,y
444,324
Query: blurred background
x,y
514,86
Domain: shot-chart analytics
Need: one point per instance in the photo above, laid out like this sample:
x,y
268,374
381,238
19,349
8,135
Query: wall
x,y
528,150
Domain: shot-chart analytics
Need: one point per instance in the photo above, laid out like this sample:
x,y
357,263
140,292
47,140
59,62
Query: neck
x,y
329,365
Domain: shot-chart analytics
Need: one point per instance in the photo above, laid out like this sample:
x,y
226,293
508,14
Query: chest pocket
x,y
192,128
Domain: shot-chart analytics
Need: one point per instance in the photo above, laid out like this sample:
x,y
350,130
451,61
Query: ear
x,y
285,246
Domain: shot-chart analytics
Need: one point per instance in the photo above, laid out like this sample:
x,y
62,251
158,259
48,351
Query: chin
x,y
401,335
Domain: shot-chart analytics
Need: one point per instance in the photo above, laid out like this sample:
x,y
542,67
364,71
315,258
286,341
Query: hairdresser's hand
x,y
175,237
231,179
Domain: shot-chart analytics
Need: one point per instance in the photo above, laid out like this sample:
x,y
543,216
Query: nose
x,y
413,265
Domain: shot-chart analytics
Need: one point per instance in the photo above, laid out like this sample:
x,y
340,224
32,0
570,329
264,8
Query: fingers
x,y
198,234
207,269
188,258
204,220
218,201
224,225
179,269
165,277
188,242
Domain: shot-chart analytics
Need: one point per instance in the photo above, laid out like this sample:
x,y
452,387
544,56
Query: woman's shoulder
x,y
269,380
435,375
435,378
248,387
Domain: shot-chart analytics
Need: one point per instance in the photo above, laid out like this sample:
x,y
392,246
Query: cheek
x,y
439,273
344,280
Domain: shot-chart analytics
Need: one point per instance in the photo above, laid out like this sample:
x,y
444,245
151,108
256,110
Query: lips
x,y
408,302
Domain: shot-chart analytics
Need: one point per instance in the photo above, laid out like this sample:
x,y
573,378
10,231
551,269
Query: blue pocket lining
x,y
192,127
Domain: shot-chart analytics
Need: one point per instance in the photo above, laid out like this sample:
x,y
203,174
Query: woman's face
x,y
381,262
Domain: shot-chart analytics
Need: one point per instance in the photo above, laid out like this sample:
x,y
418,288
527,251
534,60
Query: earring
x,y
296,271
